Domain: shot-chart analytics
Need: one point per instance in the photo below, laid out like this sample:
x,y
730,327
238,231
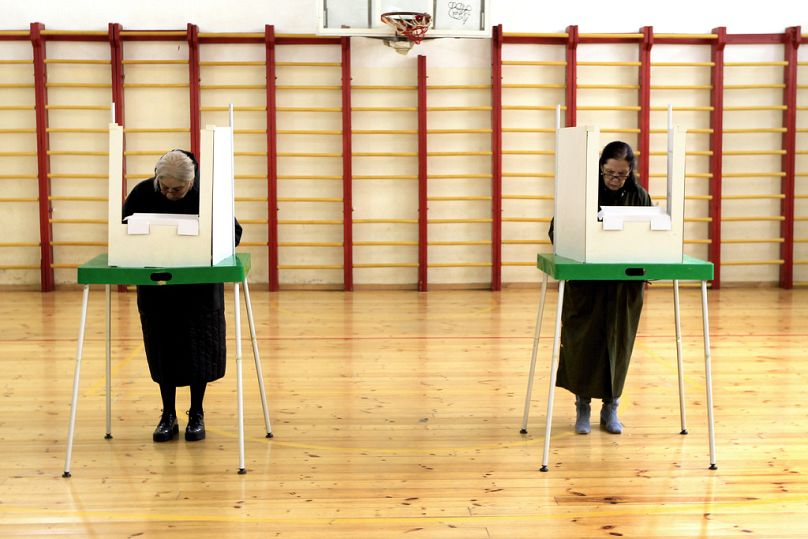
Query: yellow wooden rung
x,y
387,265
526,219
154,62
306,222
462,265
725,262
385,221
459,221
309,266
385,243
309,244
753,218
451,243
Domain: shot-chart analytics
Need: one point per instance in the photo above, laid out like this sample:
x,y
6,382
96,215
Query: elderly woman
x,y
183,325
600,318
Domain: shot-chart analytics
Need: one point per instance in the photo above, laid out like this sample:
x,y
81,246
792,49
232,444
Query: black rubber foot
x,y
522,431
713,467
66,474
684,431
108,436
270,435
242,471
544,469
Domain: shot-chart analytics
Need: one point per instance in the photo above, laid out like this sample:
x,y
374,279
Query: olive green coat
x,y
599,324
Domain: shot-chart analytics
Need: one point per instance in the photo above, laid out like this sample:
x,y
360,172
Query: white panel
x,y
162,247
345,13
575,156
459,15
223,226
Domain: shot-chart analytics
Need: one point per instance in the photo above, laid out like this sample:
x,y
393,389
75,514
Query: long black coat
x,y
183,325
599,321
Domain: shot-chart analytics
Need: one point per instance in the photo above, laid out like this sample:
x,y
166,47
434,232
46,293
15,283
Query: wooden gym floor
x,y
396,414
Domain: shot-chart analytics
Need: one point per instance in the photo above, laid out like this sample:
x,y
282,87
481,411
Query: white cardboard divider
x,y
625,234
165,244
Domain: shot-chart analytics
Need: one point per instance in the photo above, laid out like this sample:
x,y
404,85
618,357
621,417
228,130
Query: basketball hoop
x,y
410,27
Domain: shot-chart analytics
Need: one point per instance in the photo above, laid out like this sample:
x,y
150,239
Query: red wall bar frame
x,y
717,149
645,104
571,75
46,282
194,87
117,79
423,209
791,43
347,168
272,161
496,158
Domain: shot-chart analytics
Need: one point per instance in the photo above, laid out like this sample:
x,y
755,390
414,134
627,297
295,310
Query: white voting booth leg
x,y
679,368
108,364
536,334
258,370
76,374
239,385
708,373
553,374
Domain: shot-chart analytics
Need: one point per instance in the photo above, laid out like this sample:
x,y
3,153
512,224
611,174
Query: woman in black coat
x,y
183,325
600,318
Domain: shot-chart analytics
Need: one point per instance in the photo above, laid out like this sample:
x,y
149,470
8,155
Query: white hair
x,y
174,164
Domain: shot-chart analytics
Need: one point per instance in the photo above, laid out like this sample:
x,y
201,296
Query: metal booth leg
x,y
553,374
72,428
536,333
679,356
108,434
258,370
239,385
708,373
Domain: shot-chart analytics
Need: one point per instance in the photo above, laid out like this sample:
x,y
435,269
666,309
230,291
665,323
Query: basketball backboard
x,y
450,18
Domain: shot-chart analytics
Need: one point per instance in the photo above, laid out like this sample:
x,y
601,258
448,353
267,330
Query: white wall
x,y
298,16
449,62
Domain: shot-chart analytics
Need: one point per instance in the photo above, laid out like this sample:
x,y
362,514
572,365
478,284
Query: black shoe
x,y
167,428
195,430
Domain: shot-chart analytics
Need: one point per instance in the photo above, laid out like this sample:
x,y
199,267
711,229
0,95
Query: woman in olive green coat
x,y
600,318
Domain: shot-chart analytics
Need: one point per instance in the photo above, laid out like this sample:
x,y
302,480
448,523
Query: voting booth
x,y
173,240
586,233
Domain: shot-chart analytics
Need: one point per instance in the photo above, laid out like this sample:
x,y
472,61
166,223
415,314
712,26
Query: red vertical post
x,y
347,168
193,85
116,69
272,160
645,104
717,147
46,282
572,76
423,245
496,158
117,78
791,43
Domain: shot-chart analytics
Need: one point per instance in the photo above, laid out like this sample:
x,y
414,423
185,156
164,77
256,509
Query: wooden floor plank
x,y
396,414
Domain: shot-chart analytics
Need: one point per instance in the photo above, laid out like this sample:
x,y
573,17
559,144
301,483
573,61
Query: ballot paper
x,y
614,217
139,223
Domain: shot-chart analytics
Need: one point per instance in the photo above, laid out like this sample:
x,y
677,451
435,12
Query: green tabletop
x,y
230,270
566,269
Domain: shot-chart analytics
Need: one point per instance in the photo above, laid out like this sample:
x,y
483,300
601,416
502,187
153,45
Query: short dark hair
x,y
621,151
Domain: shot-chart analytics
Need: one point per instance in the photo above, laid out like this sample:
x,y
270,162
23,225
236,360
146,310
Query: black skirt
x,y
184,332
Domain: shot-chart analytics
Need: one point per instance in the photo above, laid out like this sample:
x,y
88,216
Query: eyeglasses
x,y
179,189
615,176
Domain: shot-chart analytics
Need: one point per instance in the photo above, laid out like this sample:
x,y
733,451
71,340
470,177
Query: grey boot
x,y
608,416
582,412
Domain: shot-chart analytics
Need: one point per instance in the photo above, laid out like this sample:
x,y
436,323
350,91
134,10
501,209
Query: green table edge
x,y
566,269
232,269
